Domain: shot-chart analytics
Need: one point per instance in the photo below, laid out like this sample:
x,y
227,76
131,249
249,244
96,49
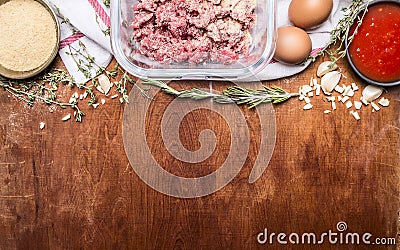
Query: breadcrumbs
x,y
28,35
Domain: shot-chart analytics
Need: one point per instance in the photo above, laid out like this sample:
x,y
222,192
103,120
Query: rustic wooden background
x,y
70,185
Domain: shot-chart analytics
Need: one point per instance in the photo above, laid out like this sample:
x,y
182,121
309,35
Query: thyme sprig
x,y
84,61
106,3
43,88
338,35
236,94
121,85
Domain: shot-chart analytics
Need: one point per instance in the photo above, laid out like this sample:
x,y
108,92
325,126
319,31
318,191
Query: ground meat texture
x,y
141,18
193,31
146,30
149,6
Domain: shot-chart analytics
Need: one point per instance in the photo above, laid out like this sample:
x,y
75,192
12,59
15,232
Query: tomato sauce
x,y
375,50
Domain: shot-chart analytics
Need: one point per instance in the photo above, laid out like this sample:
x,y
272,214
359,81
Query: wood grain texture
x,y
70,186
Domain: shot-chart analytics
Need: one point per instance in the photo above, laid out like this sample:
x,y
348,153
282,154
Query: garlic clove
x,y
326,67
349,104
355,115
371,93
357,105
308,106
339,89
104,83
375,107
330,80
334,105
66,118
354,86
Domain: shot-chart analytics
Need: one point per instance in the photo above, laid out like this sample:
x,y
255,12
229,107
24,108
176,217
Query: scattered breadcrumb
x,y
327,111
42,125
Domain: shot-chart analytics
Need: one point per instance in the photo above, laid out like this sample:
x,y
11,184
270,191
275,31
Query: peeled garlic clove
x,y
330,80
371,93
104,83
308,106
66,118
326,67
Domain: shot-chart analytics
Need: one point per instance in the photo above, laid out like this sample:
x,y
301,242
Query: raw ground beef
x,y
193,31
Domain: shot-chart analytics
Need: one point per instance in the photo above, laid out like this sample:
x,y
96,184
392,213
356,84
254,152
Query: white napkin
x,y
83,37
91,19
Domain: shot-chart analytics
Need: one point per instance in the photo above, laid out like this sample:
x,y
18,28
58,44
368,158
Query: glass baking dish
x,y
125,49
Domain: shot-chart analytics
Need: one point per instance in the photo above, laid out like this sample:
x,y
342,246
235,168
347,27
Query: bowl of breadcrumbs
x,y
29,38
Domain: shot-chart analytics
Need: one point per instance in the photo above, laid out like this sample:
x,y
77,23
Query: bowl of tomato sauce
x,y
374,52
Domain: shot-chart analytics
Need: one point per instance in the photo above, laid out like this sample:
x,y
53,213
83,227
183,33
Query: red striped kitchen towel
x,y
85,40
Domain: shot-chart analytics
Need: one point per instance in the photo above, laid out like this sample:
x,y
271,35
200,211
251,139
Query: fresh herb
x,y
106,31
65,20
339,33
106,3
121,84
236,94
43,88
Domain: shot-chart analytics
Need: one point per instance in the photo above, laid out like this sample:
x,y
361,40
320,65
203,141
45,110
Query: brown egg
x,y
293,45
309,14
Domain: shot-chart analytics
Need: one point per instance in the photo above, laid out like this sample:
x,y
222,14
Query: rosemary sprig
x,y
339,33
253,98
236,94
